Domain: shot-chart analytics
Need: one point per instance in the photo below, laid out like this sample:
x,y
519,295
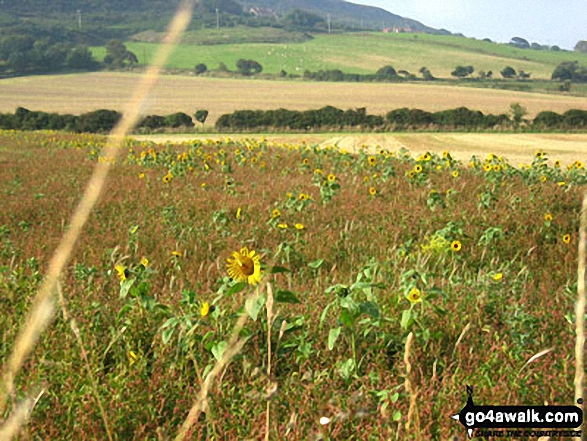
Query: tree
x,y
517,112
118,56
581,46
523,75
426,74
519,43
200,68
302,20
555,48
386,71
248,67
201,116
462,71
80,57
508,72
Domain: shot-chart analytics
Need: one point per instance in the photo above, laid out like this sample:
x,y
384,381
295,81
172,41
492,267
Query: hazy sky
x,y
552,22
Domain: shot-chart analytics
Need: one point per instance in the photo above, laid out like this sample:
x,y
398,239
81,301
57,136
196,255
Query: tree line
x,y
326,118
461,118
99,121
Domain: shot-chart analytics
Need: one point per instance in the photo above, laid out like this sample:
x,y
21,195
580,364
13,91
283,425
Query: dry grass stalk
x,y
269,306
580,311
43,308
18,417
232,348
413,410
84,354
464,331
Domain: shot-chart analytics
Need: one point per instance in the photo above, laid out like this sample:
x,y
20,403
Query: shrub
x,y
179,119
200,68
98,121
575,118
201,116
153,122
548,119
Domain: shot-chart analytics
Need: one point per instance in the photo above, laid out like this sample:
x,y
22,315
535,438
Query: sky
x,y
552,22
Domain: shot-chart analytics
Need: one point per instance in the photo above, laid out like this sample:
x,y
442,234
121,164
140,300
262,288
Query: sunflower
x,y
579,164
496,168
306,161
204,309
415,296
427,157
543,178
497,277
455,174
254,160
245,266
303,197
123,272
331,178
372,191
557,164
176,253
168,177
299,226
487,167
275,213
411,173
141,175
567,238
418,168
455,245
238,212
145,262
282,226
372,160
548,217
318,171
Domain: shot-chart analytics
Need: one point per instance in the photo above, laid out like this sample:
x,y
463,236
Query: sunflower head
x,y
372,160
418,168
123,272
245,266
548,217
372,191
567,238
331,178
275,213
415,296
455,245
455,174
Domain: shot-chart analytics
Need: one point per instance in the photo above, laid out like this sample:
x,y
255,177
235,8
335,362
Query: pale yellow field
x,y
517,148
85,92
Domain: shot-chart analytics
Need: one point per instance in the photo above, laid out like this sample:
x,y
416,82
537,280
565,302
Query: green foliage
x,y
201,116
300,20
462,71
200,68
248,67
118,56
179,119
570,70
581,46
508,72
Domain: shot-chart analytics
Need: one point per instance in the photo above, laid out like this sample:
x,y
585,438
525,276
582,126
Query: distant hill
x,y
349,13
127,16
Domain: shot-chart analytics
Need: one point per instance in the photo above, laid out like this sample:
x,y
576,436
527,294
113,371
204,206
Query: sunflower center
x,y
247,265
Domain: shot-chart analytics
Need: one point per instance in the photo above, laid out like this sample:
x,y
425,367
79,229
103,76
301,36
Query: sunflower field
x,y
313,293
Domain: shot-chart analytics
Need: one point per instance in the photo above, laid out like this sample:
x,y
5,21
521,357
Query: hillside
x,y
95,20
362,53
347,12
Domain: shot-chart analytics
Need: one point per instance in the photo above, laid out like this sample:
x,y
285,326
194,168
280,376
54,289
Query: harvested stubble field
x,y
78,93
474,262
517,148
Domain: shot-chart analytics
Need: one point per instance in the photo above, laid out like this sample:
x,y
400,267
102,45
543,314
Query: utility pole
x,y
217,19
79,20
328,15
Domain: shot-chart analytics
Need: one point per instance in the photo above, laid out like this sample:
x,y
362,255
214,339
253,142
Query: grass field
x,y
80,93
363,53
395,279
